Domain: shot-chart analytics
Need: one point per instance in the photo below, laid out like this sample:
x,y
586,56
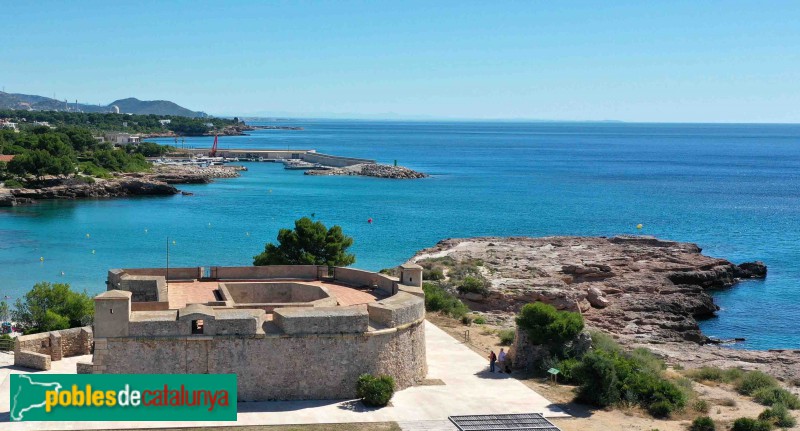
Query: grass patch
x,y
774,395
714,374
701,406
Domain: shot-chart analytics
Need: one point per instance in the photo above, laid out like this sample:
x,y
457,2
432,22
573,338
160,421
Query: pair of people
x,y
501,360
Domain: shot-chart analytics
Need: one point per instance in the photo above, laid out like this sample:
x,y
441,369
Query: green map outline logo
x,y
123,397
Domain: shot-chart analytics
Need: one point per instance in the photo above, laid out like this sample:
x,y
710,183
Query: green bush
x,y
6,342
779,416
472,284
748,424
546,325
466,319
375,391
506,337
89,168
714,374
701,406
480,320
13,184
753,381
776,395
434,274
609,378
605,342
438,299
567,368
703,423
84,180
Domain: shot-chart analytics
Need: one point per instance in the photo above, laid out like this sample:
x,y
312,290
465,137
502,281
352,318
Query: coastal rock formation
x,y
99,189
645,288
371,170
642,290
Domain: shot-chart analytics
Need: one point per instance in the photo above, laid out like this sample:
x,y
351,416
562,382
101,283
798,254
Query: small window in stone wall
x,y
111,310
197,326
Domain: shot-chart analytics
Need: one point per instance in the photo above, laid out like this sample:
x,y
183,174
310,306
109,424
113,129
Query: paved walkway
x,y
469,389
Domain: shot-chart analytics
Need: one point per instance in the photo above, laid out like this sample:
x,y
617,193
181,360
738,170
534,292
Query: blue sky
x,y
695,61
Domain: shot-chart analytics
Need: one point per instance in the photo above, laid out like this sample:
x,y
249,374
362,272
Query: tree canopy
x,y
309,243
546,325
50,307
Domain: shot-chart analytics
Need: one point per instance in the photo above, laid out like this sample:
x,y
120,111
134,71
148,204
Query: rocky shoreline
x,y
158,182
375,170
642,290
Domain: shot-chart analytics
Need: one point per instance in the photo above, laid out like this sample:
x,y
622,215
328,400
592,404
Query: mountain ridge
x,y
130,105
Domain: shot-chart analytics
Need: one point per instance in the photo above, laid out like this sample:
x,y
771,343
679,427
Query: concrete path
x,y
469,388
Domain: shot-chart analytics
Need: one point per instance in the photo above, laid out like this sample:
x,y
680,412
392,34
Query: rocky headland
x,y
376,170
157,182
642,290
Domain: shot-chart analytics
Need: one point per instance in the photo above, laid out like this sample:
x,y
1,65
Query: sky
x,y
667,61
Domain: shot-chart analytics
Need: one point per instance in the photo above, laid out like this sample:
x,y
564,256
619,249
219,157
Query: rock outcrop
x,y
99,189
640,287
371,170
644,291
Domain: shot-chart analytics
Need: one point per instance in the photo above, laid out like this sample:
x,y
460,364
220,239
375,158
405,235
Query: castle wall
x,y
29,350
304,272
272,367
359,278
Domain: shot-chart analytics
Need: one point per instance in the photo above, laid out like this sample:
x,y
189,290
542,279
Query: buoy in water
x,y
92,251
247,233
369,220
41,259
62,273
88,236
173,242
639,226
145,231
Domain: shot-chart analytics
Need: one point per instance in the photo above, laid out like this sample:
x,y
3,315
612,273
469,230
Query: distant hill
x,y
126,106
133,105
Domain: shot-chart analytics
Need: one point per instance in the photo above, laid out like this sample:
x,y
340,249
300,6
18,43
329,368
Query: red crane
x,y
213,152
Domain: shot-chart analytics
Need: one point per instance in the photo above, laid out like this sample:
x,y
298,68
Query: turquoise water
x,y
733,189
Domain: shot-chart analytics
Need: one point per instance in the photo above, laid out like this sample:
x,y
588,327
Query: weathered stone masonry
x,y
315,351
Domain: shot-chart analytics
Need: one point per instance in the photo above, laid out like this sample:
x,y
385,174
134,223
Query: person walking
x,y
492,359
501,360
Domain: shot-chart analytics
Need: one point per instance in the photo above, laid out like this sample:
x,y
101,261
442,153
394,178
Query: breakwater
x,y
268,155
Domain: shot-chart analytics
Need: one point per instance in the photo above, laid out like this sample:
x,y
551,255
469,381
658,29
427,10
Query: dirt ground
x,y
726,404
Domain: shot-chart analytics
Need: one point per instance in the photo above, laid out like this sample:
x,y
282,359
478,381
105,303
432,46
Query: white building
x,y
41,123
8,125
164,122
123,138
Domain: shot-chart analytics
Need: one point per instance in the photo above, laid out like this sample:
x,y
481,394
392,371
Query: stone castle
x,y
288,332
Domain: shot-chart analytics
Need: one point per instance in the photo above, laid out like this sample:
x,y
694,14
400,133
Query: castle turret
x,y
112,310
411,274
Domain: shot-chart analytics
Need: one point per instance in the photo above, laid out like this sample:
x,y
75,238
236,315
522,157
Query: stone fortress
x,y
289,332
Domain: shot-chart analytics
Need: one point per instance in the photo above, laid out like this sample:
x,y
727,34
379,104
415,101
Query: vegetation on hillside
x,y
97,122
66,151
50,307
309,243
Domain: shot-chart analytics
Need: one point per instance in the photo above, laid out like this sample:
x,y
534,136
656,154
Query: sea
x,y
734,189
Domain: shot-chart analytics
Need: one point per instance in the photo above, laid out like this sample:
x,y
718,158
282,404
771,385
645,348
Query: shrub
x,y
375,391
753,381
748,424
84,179
480,320
567,368
646,360
703,423
661,409
13,184
433,274
701,406
506,337
546,325
714,374
472,284
728,402
6,342
438,299
603,341
466,319
599,381
779,416
49,307
775,395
